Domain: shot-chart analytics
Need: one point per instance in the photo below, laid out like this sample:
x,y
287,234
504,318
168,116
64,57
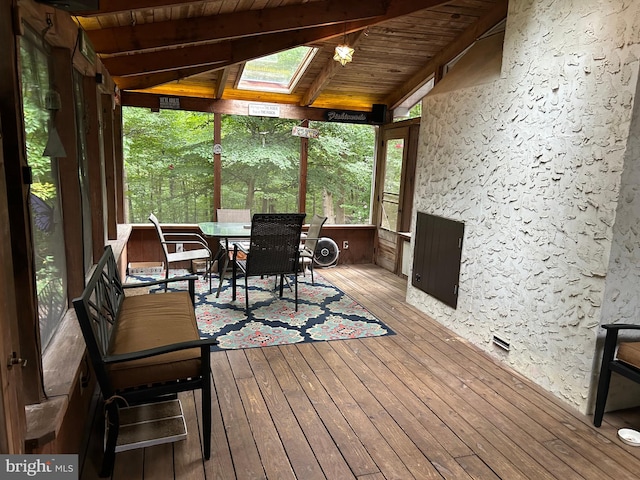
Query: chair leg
x,y
295,280
246,293
311,270
234,271
206,402
605,376
113,425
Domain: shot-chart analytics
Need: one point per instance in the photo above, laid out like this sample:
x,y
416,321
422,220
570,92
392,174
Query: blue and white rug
x,y
324,313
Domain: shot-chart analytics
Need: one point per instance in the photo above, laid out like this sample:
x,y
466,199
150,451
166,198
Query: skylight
x,y
279,72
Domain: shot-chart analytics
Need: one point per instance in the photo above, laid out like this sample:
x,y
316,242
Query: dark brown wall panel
x,y
436,258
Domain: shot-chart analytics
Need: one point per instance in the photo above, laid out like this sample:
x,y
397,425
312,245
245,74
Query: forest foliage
x,y
169,166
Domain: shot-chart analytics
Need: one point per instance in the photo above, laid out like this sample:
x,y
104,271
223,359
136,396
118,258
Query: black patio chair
x,y
274,249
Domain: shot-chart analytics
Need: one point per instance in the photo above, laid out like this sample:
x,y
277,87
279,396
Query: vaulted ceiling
x,y
198,48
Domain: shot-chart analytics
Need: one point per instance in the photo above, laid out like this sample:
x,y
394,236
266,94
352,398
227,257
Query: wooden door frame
x,y
13,417
409,131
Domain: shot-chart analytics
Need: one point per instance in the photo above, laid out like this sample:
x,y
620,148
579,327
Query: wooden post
x,y
96,171
217,163
109,164
304,159
65,123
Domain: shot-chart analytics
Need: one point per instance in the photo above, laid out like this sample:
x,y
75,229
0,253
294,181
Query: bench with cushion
x,y
142,347
626,362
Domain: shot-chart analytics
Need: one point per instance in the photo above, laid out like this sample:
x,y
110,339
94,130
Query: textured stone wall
x,y
533,165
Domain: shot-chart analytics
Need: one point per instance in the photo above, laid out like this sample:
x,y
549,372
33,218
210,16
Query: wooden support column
x,y
304,158
109,165
20,284
68,168
95,169
217,163
118,157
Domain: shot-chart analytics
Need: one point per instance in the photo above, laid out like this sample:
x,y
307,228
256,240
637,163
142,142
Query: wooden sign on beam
x,y
305,132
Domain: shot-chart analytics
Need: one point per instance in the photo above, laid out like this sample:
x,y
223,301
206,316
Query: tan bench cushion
x,y
149,321
629,352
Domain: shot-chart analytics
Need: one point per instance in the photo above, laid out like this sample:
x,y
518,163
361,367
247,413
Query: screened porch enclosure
x,y
170,163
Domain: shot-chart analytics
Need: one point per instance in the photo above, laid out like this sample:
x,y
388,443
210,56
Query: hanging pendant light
x,y
343,54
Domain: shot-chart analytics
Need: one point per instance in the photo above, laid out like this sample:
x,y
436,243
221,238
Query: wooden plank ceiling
x,y
197,49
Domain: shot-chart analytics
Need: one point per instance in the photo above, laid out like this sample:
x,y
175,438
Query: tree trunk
x,y
327,200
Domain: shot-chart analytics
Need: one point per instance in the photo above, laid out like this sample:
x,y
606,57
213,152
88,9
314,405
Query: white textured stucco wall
x,y
532,164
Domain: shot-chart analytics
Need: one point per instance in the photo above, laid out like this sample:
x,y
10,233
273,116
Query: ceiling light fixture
x,y
343,53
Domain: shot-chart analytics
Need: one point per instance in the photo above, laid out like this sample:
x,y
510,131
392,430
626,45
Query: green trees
x,y
169,166
168,159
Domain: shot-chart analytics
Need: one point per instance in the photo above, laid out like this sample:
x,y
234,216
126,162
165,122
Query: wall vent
x,y
503,344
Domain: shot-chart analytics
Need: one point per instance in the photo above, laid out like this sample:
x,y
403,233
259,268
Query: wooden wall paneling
x,y
106,102
144,246
96,168
19,221
68,168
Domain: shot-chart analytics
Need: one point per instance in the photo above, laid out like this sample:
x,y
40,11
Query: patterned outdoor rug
x,y
324,313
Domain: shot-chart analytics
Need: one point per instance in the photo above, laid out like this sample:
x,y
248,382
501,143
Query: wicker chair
x,y
274,249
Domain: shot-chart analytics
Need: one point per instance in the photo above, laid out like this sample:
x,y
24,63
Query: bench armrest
x,y
190,278
152,352
621,326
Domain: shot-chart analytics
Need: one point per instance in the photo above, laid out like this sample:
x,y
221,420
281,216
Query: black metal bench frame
x,y
97,310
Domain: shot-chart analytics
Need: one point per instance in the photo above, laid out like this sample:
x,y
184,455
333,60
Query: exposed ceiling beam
x,y
222,82
232,107
217,55
232,25
221,54
327,73
140,82
456,47
122,6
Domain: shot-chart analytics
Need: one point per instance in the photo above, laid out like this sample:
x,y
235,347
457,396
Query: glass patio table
x,y
225,231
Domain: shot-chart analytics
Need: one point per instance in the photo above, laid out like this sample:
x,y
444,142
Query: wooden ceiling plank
x,y
242,49
470,35
233,25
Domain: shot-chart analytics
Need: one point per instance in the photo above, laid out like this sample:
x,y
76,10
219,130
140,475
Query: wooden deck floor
x,y
418,404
